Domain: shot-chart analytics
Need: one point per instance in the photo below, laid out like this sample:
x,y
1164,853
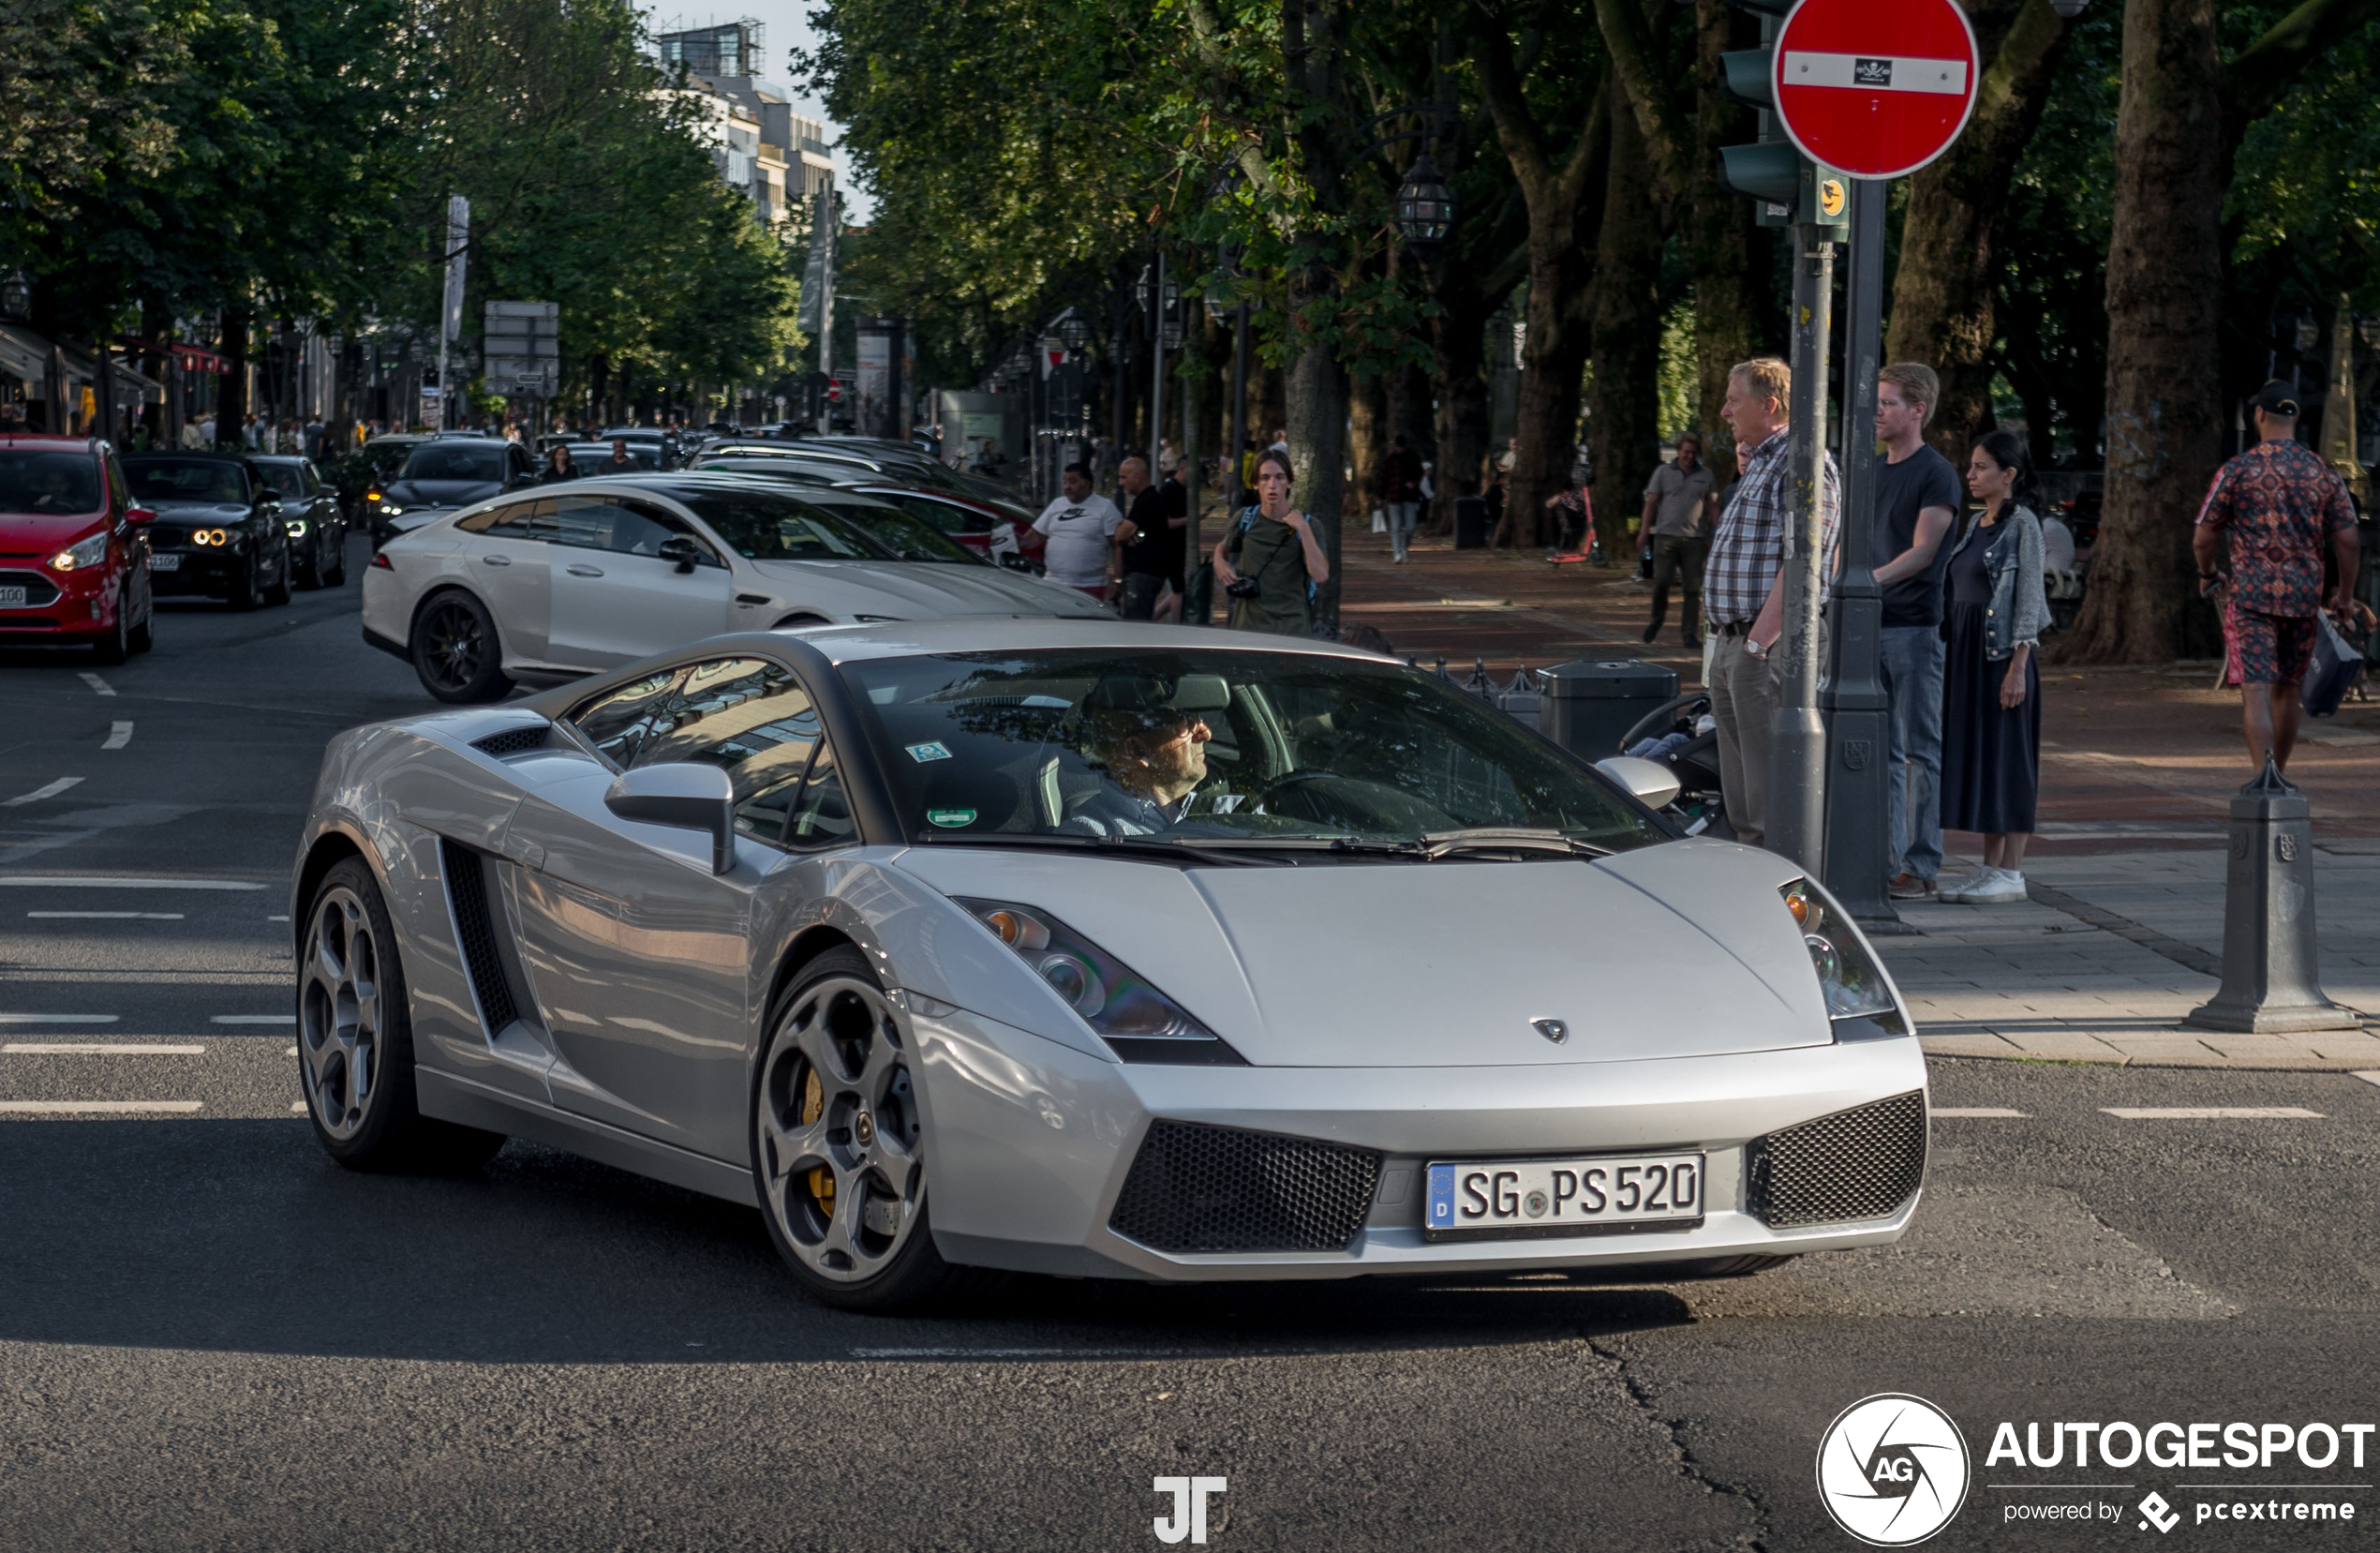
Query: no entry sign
x,y
1876,91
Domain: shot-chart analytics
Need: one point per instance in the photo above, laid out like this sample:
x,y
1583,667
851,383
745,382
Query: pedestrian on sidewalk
x,y
1149,541
1078,533
1744,584
1991,737
1917,500
1269,561
1681,505
2280,506
1401,495
1574,511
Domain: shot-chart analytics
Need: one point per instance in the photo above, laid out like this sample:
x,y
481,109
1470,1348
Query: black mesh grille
x,y
1861,1163
512,741
475,931
1214,1189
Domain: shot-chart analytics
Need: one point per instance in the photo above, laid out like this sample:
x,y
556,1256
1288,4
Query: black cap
x,y
2277,398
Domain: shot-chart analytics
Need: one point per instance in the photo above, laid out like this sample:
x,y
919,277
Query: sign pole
x,y
1795,818
1859,851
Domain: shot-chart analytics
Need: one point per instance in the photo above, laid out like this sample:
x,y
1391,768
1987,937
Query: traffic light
x,y
1789,188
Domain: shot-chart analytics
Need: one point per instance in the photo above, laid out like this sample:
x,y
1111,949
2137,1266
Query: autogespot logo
x,y
1891,1469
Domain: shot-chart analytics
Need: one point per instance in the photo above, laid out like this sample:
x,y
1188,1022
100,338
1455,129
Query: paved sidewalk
x,y
2125,933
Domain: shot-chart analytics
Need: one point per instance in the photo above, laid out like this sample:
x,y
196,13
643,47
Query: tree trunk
x,y
1313,47
232,391
1626,403
1723,241
2164,295
1458,380
1367,445
1942,300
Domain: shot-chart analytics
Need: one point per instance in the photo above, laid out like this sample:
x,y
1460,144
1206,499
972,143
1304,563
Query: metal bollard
x,y
2272,975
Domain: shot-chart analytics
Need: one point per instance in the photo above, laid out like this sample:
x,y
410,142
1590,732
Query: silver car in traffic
x,y
1106,950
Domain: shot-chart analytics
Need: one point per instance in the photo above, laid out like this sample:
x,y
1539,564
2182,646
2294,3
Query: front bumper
x,y
211,573
68,607
1034,1141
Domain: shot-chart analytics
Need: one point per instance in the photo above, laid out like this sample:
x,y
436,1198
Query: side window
x,y
821,818
639,529
119,489
747,716
585,522
313,480
514,520
621,723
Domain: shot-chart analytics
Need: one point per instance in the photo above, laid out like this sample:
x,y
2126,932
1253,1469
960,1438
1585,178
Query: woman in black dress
x,y
1991,687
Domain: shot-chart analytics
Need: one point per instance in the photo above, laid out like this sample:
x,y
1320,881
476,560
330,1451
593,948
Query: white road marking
x,y
280,918
99,1048
50,791
102,1108
114,915
71,881
291,1053
2369,1076
297,1107
119,735
253,1019
1975,1110
1013,1353
57,1019
102,686
2212,1113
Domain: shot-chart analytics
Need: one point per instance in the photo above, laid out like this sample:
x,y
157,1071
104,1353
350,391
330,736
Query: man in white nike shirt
x,y
1079,532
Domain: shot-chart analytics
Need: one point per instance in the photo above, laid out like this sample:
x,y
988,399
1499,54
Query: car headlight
x,y
1859,1001
297,528
82,553
1137,1022
210,537
391,510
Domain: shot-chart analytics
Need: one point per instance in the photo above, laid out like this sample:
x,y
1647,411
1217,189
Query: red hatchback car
x,y
74,566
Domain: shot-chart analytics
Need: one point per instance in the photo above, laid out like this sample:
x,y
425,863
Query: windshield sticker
x,y
923,753
951,819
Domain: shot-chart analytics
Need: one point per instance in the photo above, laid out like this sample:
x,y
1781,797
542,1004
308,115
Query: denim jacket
x,y
2019,606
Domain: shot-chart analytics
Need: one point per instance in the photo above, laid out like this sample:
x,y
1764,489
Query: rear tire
x,y
355,1039
456,652
839,1145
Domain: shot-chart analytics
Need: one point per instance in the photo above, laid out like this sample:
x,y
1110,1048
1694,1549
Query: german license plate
x,y
1490,1197
165,563
12,598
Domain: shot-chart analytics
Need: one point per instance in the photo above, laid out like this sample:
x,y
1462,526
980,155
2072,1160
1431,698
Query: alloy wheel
x,y
339,1014
454,647
841,1168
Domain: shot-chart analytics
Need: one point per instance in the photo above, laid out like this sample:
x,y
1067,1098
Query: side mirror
x,y
682,550
683,796
1649,782
140,518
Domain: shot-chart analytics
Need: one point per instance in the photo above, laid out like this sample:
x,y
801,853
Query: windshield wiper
x,y
1147,846
1507,838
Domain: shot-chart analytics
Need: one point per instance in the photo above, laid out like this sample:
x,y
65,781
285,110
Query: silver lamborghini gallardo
x,y
1091,948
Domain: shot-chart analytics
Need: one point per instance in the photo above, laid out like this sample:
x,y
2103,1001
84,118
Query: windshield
x,y
1215,747
186,480
907,537
766,525
285,478
481,464
588,455
49,482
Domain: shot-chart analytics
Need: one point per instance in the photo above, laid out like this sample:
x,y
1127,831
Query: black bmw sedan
x,y
219,531
310,511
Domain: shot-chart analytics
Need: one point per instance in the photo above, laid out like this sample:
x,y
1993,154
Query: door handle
x,y
498,561
584,571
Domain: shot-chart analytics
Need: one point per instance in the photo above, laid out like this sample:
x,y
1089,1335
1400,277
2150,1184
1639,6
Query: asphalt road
x,y
212,1338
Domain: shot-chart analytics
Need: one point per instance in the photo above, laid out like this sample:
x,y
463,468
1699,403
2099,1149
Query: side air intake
x,y
475,934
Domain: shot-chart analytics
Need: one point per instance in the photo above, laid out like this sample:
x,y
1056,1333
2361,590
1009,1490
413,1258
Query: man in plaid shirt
x,y
1744,585
2280,506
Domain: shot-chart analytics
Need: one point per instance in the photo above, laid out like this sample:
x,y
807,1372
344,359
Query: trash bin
x,y
1470,523
1589,703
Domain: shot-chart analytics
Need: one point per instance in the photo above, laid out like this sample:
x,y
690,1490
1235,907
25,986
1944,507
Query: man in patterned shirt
x,y
1744,585
2279,504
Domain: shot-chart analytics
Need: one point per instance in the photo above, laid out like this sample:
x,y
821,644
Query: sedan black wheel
x,y
455,650
355,1039
839,1145
248,592
116,646
333,569
279,591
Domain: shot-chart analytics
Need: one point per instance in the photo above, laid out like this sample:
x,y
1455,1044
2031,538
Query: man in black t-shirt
x,y
1150,540
1917,498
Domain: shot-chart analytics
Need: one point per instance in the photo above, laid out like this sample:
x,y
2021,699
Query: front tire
x,y
116,646
456,651
839,1145
278,594
355,1039
335,575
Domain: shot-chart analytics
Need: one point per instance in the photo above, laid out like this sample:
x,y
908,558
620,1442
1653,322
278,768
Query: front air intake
x,y
1855,1164
1216,1188
512,741
475,934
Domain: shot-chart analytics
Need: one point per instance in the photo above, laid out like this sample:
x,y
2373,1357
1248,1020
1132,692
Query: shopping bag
x,y
2332,673
1379,522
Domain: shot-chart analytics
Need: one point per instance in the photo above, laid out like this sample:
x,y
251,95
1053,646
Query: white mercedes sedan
x,y
547,586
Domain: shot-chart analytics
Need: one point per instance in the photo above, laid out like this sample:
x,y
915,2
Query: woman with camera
x,y
1270,562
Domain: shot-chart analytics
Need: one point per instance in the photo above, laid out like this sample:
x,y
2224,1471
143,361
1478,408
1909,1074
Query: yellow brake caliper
x,y
822,1180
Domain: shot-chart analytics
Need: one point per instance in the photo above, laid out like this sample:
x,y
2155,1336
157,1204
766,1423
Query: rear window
x,y
33,482
186,480
456,461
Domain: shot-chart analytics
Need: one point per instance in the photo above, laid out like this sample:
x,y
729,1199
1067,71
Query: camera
x,y
1241,587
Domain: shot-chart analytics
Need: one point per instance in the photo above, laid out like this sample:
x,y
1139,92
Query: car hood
x,y
46,533
440,493
908,590
1681,950
198,514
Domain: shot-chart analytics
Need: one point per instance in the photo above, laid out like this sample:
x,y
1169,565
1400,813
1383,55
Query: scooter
x,y
1682,735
